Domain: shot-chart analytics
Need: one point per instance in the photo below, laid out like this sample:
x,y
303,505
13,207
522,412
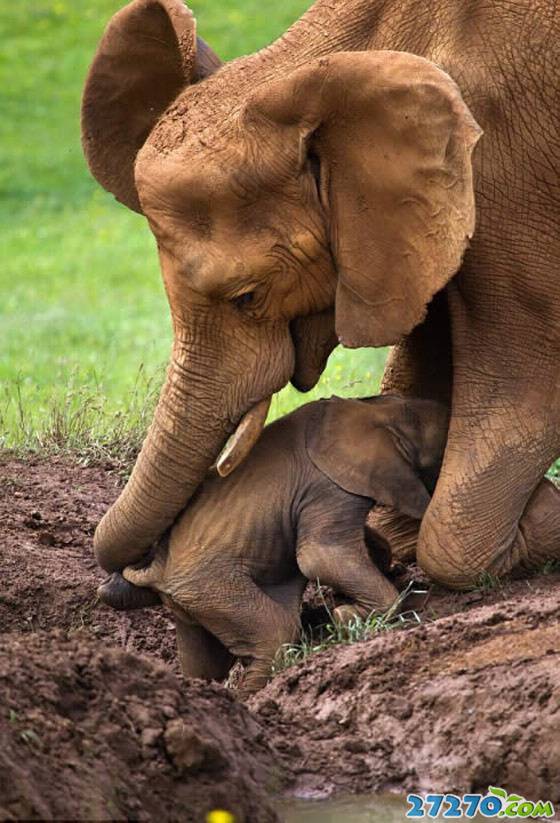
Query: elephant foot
x,y
255,677
349,612
409,601
124,596
540,526
399,532
346,613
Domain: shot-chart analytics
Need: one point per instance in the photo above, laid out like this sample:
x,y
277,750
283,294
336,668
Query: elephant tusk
x,y
243,439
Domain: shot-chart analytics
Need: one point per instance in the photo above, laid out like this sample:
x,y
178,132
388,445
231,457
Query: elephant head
x,y
294,205
388,448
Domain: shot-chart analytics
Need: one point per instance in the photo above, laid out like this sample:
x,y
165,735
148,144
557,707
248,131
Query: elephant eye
x,y
243,300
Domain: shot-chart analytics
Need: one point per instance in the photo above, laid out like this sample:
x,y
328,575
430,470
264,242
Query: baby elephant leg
x,y
349,570
331,547
251,624
200,653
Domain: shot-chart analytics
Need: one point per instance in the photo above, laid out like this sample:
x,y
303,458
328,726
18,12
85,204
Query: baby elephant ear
x,y
147,55
353,444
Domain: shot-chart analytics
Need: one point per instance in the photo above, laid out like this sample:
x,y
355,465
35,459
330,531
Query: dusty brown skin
x,y
321,190
238,560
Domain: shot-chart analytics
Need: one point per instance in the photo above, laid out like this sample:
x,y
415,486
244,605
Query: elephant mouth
x,y
244,438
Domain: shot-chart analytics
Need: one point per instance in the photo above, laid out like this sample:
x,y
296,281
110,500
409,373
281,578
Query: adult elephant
x,y
321,190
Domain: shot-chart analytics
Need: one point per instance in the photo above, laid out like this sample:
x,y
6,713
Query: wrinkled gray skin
x,y
238,559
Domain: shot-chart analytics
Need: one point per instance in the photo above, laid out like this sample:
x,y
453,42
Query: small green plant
x,y
486,582
83,617
336,633
30,737
551,567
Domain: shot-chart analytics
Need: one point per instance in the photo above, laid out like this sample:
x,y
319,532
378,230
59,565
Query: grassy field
x,y
85,328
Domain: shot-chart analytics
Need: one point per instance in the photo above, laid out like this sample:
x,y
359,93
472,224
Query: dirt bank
x,y
94,722
455,705
48,513
92,701
89,733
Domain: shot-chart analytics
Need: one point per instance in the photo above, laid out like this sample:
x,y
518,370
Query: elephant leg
x,y
200,653
418,366
349,570
252,624
492,509
501,537
398,529
539,528
233,616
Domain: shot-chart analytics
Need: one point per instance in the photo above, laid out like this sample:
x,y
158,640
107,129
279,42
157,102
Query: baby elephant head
x,y
387,448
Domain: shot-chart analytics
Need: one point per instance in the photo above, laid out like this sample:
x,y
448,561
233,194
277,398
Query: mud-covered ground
x,y
96,722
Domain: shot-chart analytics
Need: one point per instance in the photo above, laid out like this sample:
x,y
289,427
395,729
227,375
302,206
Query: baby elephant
x,y
237,561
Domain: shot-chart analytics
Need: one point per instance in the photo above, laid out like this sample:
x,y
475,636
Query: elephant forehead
x,y
177,179
203,114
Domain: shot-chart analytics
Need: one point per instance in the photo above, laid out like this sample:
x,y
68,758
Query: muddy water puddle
x,y
358,809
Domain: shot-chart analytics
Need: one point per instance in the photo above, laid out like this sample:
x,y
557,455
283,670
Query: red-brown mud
x,y
95,733
48,513
455,705
96,722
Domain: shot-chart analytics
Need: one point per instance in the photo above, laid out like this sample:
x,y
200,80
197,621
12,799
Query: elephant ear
x,y
354,445
147,55
394,140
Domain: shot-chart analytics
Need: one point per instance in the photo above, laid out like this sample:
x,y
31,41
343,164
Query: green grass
x,y
486,582
85,326
85,331
335,633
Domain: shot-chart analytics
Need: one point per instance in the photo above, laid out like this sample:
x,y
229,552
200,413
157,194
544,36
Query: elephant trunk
x,y
187,433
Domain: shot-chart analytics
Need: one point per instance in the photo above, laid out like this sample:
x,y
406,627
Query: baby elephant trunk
x,y
124,596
